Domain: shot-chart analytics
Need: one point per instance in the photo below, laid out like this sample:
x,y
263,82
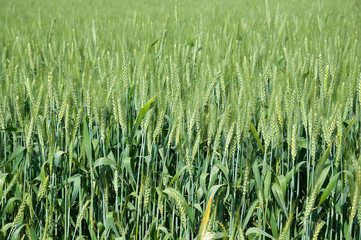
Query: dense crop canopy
x,y
180,119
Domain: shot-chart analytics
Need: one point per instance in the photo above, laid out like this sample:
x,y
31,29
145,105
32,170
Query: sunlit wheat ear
x,y
293,143
311,202
178,132
20,213
318,230
182,212
2,117
356,196
191,122
9,186
50,90
18,112
246,179
102,126
62,109
81,214
77,123
29,132
28,232
158,128
43,188
287,226
147,190
229,138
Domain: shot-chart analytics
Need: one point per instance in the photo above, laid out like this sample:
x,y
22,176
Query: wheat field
x,y
180,119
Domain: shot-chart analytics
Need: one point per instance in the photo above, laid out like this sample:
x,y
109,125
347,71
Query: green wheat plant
x,y
180,119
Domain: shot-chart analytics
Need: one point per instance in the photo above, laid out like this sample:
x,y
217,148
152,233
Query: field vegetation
x,y
180,119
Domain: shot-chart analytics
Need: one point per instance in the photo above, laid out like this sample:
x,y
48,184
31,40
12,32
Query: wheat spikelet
x,y
43,188
279,112
318,230
182,213
211,128
356,196
46,108
38,102
233,148
325,129
325,80
88,105
160,202
82,154
102,126
115,110
50,90
125,78
122,118
70,155
62,109
195,146
29,132
115,182
241,84
229,137
293,143
246,68
77,123
149,142
158,128
240,233
81,214
245,179
311,202
338,140
2,116
147,190
287,226
190,125
20,213
18,112
178,132
11,184
147,121
275,136
67,120
141,191
239,129
262,120
172,134
313,147
106,197
28,232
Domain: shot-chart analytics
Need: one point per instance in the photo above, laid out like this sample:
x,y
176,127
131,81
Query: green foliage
x,y
180,119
